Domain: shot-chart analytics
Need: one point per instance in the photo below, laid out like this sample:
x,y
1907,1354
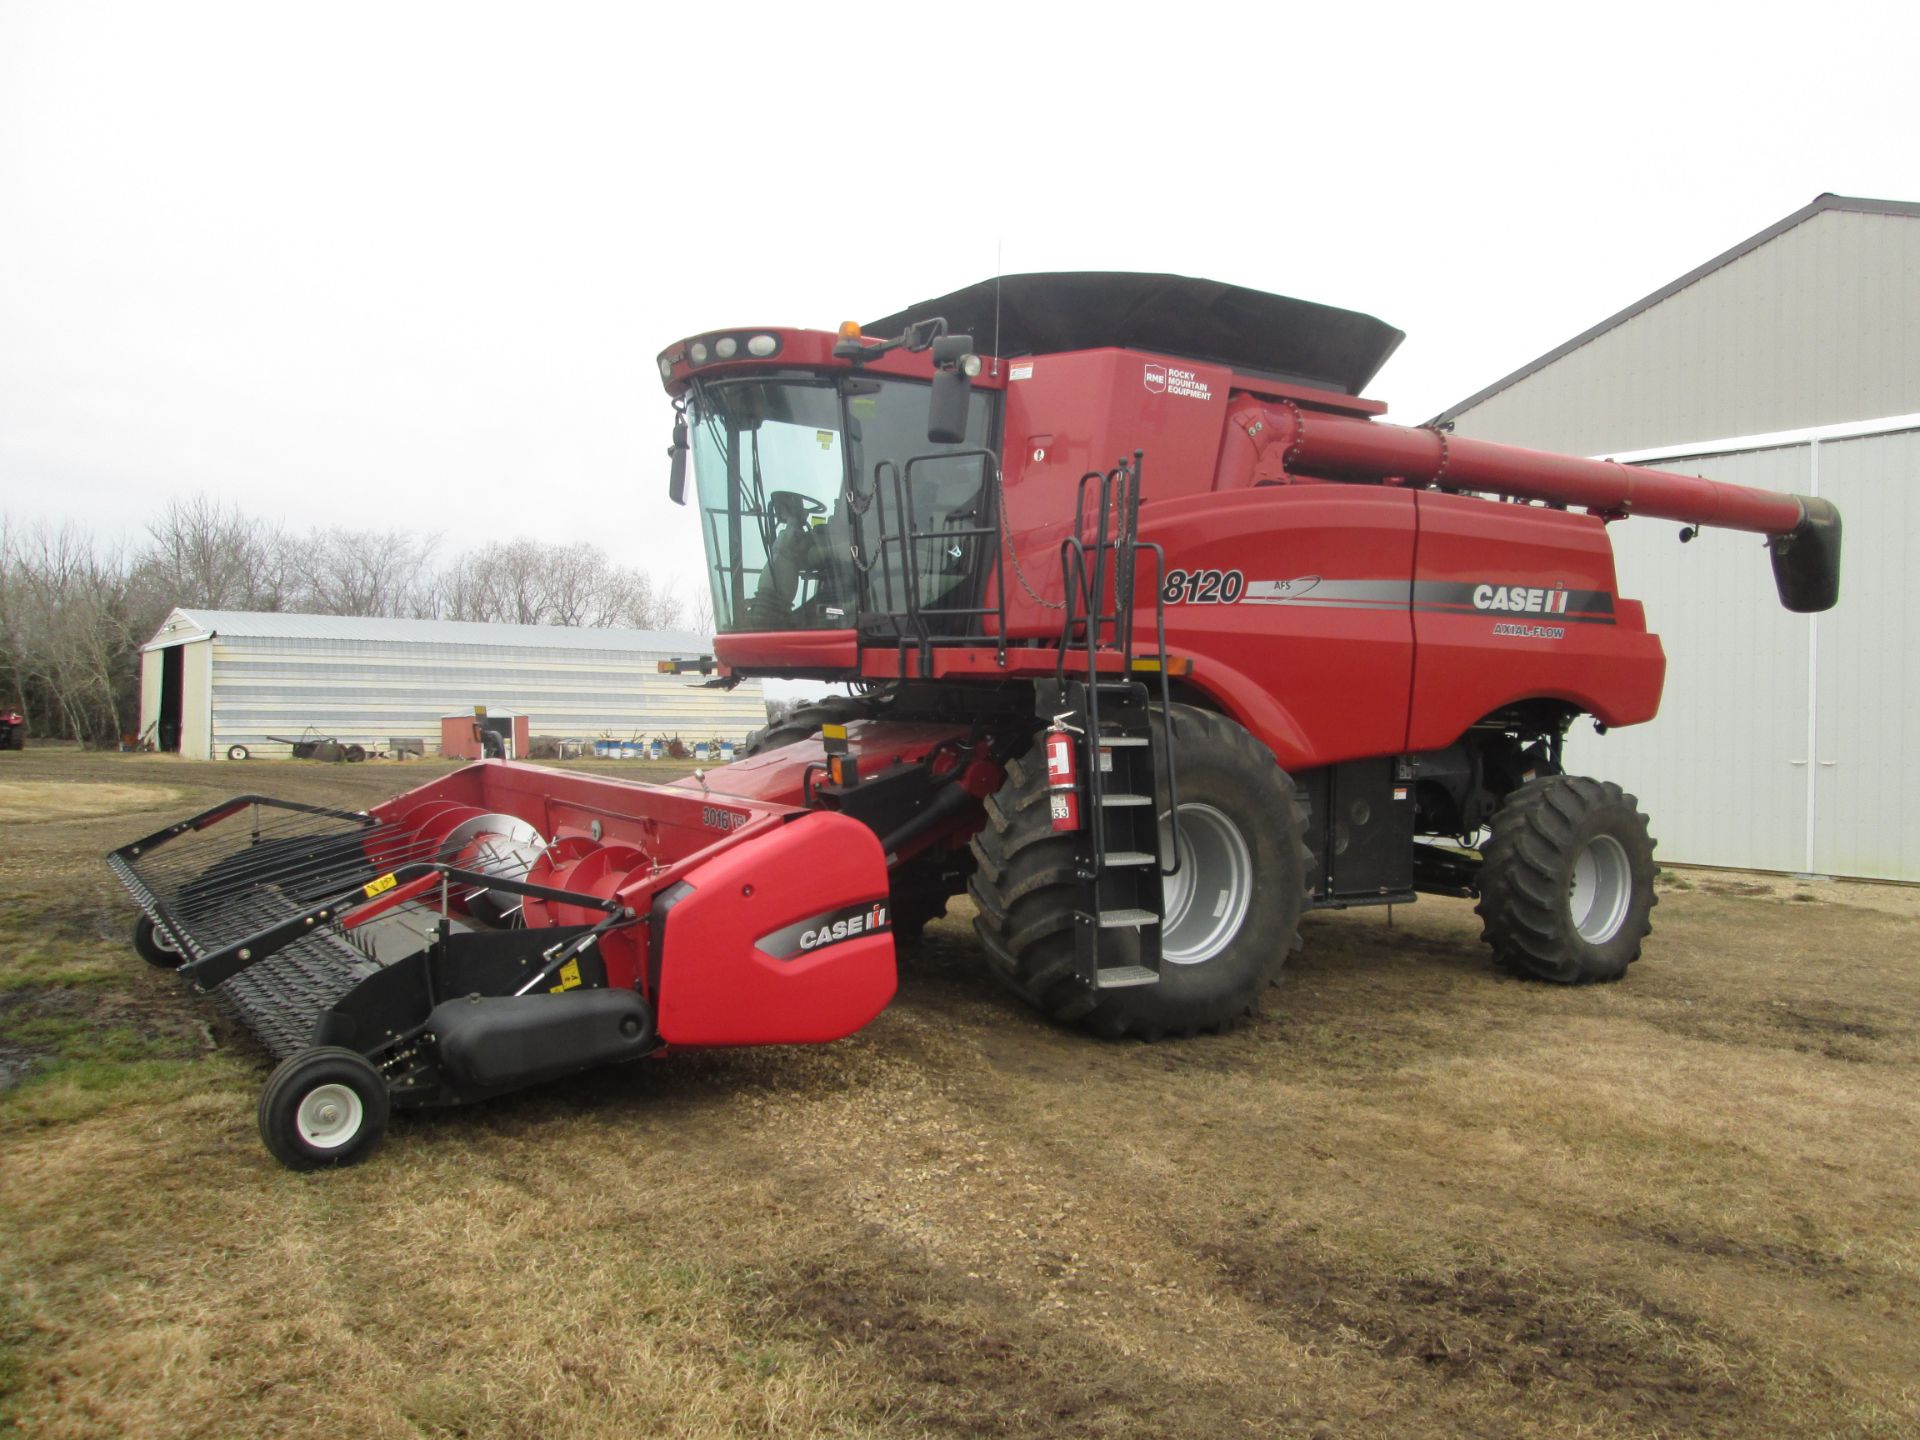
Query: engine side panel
x,y
1293,602
1516,602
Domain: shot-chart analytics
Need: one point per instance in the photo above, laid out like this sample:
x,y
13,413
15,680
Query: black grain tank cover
x,y
1167,314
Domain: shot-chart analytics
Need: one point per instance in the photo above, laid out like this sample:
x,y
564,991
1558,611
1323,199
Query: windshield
x,y
802,483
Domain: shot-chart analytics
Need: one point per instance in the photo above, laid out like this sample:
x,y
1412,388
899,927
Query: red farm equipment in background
x,y
1155,636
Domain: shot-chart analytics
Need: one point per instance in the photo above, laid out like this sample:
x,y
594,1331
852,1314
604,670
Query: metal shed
x,y
1790,362
214,679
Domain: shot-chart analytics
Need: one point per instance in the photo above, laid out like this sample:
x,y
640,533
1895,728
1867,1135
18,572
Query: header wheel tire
x,y
323,1108
154,945
1566,881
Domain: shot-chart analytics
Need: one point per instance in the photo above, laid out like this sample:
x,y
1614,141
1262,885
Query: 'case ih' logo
x,y
1520,597
849,922
1156,378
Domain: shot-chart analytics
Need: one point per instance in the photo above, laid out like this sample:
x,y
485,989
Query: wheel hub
x,y
329,1116
1600,889
1207,898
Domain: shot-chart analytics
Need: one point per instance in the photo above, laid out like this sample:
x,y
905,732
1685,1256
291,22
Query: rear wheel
x,y
1230,914
1566,881
323,1107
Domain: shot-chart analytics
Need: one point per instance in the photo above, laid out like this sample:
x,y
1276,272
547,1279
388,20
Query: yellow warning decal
x,y
833,732
378,887
569,977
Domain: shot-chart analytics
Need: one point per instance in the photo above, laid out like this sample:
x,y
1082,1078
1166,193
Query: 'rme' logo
x,y
1519,597
872,918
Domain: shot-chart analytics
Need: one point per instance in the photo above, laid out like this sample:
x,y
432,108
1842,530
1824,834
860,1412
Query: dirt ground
x,y
1413,1198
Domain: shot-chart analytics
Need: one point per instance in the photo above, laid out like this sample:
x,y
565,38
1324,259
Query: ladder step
x,y
1131,857
1120,919
1119,801
1118,976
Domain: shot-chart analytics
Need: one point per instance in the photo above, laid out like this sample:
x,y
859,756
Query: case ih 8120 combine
x,y
1158,636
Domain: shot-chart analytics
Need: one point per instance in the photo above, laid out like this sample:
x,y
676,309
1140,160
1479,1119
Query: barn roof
x,y
183,626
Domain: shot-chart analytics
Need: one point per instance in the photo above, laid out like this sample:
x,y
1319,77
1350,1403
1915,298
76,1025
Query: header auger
x,y
1156,636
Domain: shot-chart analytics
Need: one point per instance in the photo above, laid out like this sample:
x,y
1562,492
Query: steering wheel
x,y
790,507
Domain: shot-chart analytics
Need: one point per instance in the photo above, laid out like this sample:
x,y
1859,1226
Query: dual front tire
x,y
1230,913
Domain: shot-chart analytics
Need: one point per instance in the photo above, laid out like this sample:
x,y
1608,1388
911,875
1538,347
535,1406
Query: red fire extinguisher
x,y
1063,775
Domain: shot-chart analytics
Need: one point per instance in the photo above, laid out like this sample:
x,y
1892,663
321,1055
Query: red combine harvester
x,y
1280,655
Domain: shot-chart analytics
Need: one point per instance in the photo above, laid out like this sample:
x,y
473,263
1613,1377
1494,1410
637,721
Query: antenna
x,y
999,243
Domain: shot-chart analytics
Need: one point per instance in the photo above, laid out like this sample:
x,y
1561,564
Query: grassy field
x,y
1414,1198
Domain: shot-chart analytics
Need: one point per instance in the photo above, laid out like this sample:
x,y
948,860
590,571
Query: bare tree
x,y
523,582
362,572
70,629
74,612
203,553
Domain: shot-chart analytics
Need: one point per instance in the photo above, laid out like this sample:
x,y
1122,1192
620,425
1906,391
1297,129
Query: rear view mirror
x,y
677,477
954,366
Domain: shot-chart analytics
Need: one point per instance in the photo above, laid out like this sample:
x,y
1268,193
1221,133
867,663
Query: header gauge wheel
x,y
154,945
323,1107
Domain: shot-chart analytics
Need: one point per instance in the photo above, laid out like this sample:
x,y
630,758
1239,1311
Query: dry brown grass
x,y
25,802
1413,1199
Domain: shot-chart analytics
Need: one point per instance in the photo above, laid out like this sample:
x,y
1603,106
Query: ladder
x,y
1119,858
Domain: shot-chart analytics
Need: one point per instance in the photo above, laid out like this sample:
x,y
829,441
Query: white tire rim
x,y
1601,889
1207,898
329,1116
162,941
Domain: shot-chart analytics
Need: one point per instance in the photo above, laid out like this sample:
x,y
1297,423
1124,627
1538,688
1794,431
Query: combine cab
x,y
1278,655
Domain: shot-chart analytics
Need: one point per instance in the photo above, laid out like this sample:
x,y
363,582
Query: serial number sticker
x,y
379,887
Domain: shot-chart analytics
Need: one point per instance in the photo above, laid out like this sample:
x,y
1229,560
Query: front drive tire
x,y
805,722
322,1108
1244,820
1566,881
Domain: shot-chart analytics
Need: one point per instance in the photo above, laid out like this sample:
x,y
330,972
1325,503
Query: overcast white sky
x,y
409,265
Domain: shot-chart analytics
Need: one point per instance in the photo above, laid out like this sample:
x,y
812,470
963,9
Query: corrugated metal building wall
x,y
1813,321
1783,740
245,677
